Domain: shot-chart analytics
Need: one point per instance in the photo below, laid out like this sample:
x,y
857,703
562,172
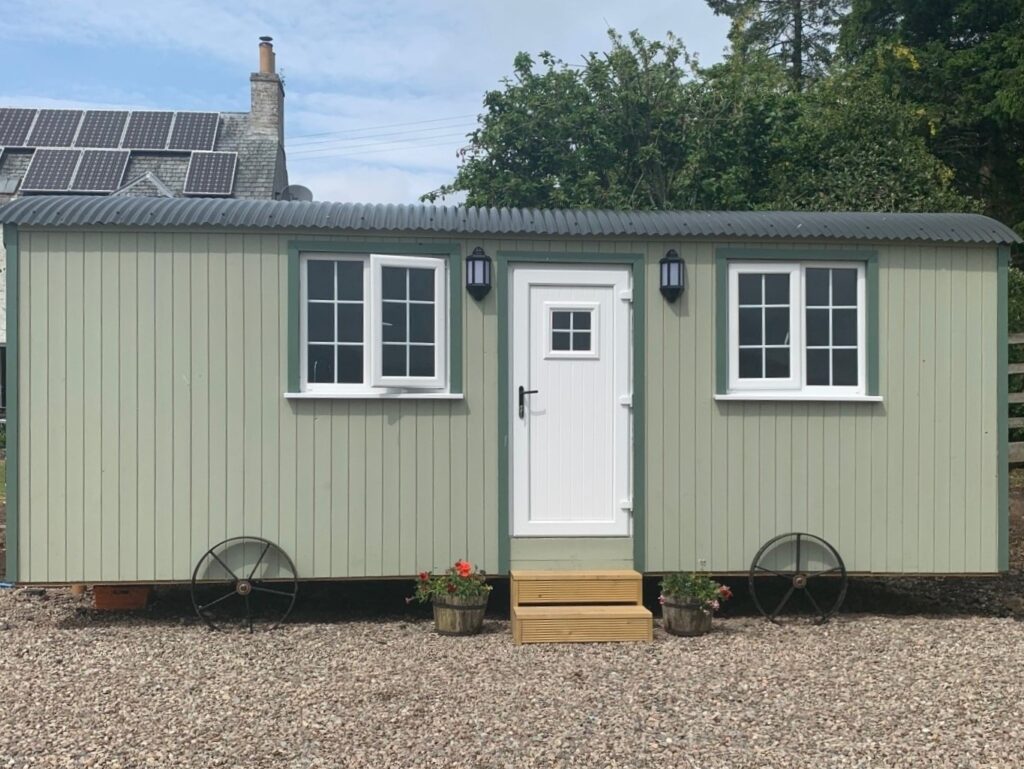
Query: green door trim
x,y
1002,404
725,254
636,264
344,246
11,248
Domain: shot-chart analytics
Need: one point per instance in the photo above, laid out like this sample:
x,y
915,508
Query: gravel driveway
x,y
865,691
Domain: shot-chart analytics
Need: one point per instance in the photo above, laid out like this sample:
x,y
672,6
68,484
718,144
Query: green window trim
x,y
726,254
636,263
452,250
11,248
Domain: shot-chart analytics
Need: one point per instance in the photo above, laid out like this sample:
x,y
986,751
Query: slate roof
x,y
262,173
72,211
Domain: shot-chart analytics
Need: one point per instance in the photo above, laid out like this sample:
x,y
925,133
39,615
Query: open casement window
x,y
797,328
372,323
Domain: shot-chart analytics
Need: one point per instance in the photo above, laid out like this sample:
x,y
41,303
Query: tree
x,y
800,33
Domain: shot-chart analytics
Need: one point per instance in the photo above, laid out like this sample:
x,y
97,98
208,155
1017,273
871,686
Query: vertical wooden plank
x,y
287,455
782,451
357,491
376,528
767,474
655,397
145,500
235,401
846,502
700,278
475,494
424,498
408,523
217,417
92,425
441,486
816,499
273,360
990,471
128,442
941,469
181,394
34,506
879,424
926,478
199,324
960,377
895,406
322,461
164,405
74,308
391,461
799,480
863,485
749,479
912,408
55,443
252,372
734,483
339,484
489,511
974,412
110,406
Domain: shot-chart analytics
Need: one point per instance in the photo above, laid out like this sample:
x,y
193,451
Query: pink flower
x,y
714,605
661,599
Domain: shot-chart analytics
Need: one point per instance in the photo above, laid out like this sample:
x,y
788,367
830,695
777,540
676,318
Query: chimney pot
x,y
267,63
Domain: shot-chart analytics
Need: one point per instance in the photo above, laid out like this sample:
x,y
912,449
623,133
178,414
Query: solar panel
x,y
14,125
100,170
194,131
101,128
211,173
147,131
55,128
50,170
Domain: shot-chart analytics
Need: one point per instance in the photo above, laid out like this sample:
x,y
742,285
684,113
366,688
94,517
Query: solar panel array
x,y
75,170
211,173
51,170
100,170
107,129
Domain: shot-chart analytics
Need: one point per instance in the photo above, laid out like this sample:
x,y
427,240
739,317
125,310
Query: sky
x,y
379,95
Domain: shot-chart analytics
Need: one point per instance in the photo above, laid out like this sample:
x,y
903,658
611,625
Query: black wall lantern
x,y
671,275
478,274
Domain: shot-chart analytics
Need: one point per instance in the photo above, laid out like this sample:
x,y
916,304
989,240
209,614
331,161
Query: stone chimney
x,y
267,112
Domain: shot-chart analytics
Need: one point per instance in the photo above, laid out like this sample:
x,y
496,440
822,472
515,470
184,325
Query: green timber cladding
x,y
149,420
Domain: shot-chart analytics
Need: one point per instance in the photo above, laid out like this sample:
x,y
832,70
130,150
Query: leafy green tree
x,y
800,33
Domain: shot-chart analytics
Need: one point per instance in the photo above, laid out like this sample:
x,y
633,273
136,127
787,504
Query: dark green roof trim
x,y
85,211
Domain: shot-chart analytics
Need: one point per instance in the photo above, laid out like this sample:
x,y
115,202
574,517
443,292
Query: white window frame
x,y
440,379
594,308
795,384
374,384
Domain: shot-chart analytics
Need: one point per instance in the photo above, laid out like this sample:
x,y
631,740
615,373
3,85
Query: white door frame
x,y
618,278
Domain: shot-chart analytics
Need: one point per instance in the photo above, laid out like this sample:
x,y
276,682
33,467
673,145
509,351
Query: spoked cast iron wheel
x,y
244,582
800,574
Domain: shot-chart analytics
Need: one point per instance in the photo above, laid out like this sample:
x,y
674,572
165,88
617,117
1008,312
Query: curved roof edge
x,y
78,211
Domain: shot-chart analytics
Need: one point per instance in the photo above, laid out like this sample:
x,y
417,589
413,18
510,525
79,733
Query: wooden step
x,y
577,587
575,624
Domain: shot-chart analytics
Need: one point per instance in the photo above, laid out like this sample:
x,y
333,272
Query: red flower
x,y
451,588
725,592
424,576
463,568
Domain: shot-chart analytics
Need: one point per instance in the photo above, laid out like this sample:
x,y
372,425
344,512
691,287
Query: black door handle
x,y
523,392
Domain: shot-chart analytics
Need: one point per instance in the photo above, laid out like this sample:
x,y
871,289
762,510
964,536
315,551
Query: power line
x,y
357,155
389,125
319,151
408,132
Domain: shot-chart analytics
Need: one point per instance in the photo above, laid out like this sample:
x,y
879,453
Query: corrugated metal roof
x,y
67,211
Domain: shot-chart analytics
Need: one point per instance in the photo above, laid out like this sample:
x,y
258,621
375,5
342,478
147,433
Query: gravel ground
x,y
865,691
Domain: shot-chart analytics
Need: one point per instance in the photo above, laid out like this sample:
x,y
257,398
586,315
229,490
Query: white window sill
x,y
374,396
807,397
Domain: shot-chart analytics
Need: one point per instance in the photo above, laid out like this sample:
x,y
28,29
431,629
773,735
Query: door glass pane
x,y
561,320
393,360
350,363
750,364
817,367
421,360
844,367
320,278
581,341
350,280
560,340
393,282
581,320
320,363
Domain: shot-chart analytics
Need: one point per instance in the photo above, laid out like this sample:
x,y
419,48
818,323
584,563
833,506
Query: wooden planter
x,y
459,616
685,619
120,597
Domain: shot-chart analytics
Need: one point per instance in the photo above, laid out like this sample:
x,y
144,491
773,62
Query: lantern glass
x,y
478,274
671,275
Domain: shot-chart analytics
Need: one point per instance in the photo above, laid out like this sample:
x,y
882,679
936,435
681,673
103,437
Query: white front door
x,y
571,428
